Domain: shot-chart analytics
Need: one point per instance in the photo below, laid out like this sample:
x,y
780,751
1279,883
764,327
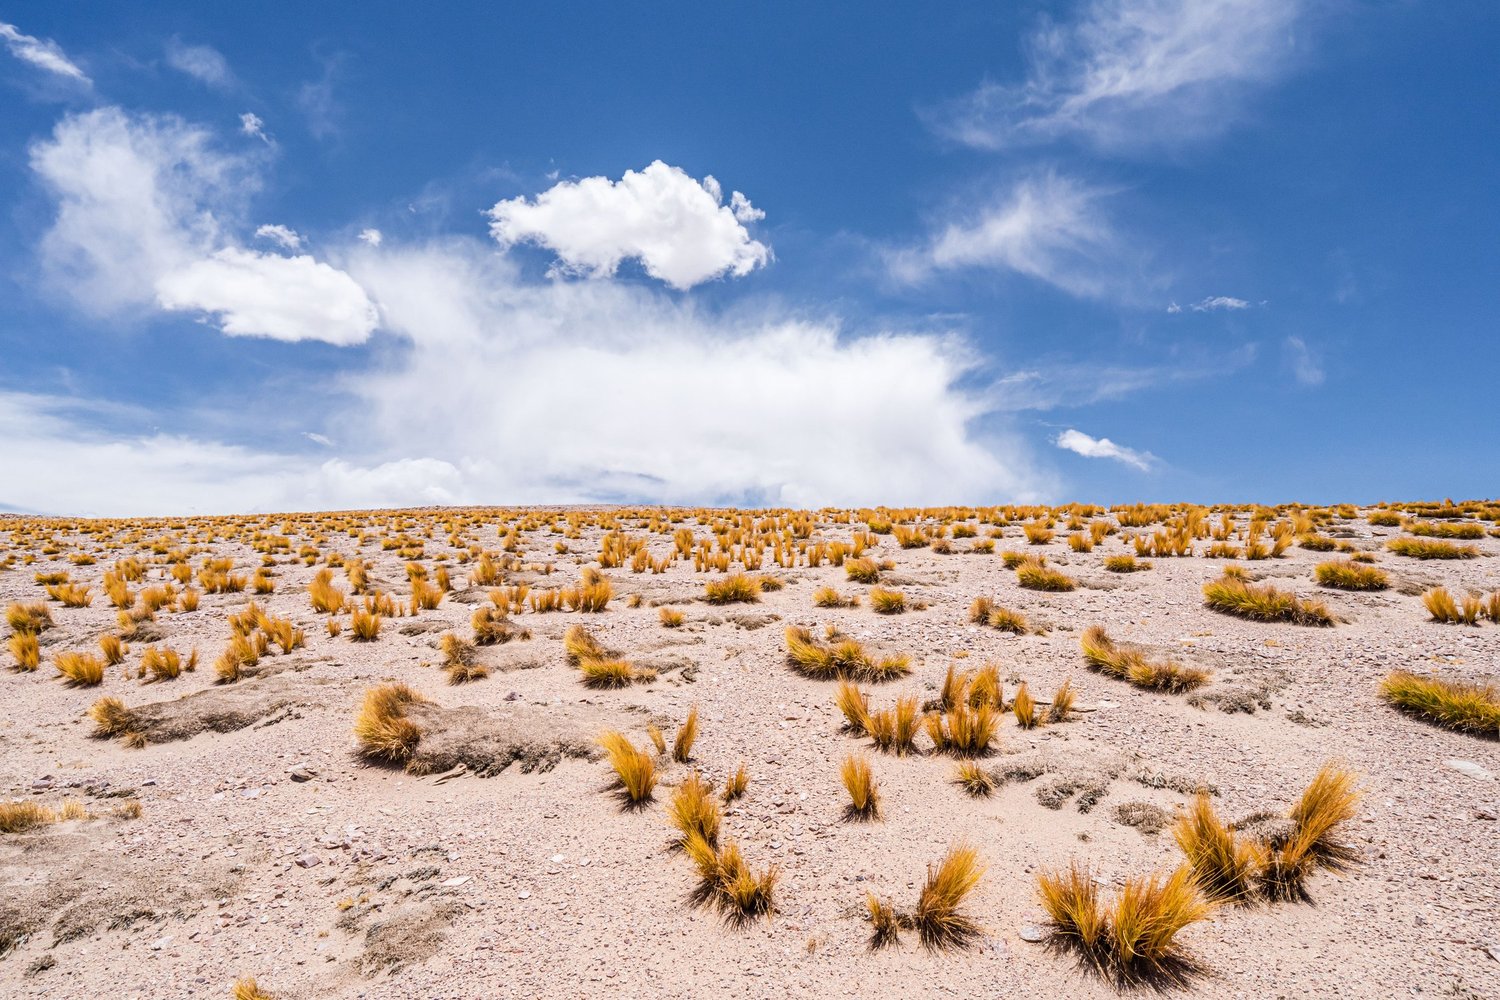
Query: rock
x,y
1033,932
1470,768
302,773
455,881
161,942
1488,814
308,861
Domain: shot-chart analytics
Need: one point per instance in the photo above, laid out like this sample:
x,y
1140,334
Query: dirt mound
x,y
413,935
536,737
263,700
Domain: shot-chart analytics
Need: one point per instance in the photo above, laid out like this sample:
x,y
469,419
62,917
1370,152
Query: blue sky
x,y
290,256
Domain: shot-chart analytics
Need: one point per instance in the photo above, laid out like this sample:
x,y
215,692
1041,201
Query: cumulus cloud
x,y
1048,227
255,294
1091,447
1128,73
371,236
203,63
147,207
252,125
43,53
1306,368
282,236
677,227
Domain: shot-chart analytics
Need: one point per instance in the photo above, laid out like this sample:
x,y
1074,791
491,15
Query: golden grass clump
x,y
1428,548
855,706
80,669
1126,563
425,596
845,659
1225,867
973,779
861,570
687,734
608,674
28,619
670,618
491,628
1148,915
1328,802
382,728
894,730
829,597
247,989
1024,708
1062,702
364,624
859,782
111,717
635,769
239,654
1101,654
1236,596
1461,706
727,880
20,817
1440,605
327,599
887,602
694,811
113,648
1346,574
25,650
884,923
71,595
1034,575
963,730
737,588
1078,918
938,918
459,661
161,663
736,784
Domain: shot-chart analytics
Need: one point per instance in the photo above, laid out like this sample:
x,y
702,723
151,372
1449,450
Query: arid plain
x,y
558,752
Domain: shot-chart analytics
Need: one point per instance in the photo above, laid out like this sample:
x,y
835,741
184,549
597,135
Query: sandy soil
x,y
365,881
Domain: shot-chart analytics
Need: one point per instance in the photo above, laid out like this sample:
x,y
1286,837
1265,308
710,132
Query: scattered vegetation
x,y
1458,705
1234,595
1347,574
1102,654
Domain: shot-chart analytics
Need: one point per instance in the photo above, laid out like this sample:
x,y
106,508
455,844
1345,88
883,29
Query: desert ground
x,y
477,838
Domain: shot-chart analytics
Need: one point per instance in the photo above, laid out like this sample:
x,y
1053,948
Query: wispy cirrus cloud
x,y
203,63
1133,73
43,53
1306,367
1047,226
1212,303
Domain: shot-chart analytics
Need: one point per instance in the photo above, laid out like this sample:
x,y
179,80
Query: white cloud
x,y
371,236
1048,227
252,125
1090,447
675,226
147,210
282,236
266,295
1129,73
42,53
743,210
1213,303
137,197
1306,368
203,63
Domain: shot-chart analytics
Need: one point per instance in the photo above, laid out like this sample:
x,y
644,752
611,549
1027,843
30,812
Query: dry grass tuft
x,y
111,717
1457,705
1101,654
884,923
80,669
846,659
1024,708
1148,915
670,618
1034,575
829,597
246,989
938,919
25,650
736,783
859,782
20,817
973,779
694,811
1428,548
1235,596
635,769
1071,900
1125,564
687,734
1346,574
1225,867
383,731
855,706
28,619
894,730
861,570
887,602
737,588
1062,702
1440,605
326,598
